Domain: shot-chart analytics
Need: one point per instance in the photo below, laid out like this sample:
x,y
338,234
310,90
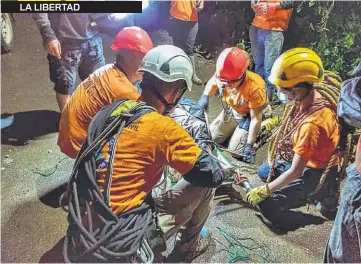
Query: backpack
x,y
131,236
349,106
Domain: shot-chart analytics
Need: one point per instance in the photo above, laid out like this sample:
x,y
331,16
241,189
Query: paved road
x,y
30,228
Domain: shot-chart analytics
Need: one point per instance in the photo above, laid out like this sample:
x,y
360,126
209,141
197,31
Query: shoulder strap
x,y
125,112
107,122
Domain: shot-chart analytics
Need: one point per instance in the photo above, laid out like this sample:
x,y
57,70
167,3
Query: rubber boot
x,y
201,246
195,78
270,95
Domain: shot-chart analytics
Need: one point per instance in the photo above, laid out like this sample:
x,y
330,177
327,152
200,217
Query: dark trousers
x,y
84,57
184,34
296,193
344,244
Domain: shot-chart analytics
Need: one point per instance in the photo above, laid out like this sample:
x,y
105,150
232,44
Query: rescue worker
x,y
73,44
266,35
344,244
309,135
243,98
184,28
103,87
144,147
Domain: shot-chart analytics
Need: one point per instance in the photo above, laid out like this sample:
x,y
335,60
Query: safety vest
x,y
277,21
184,10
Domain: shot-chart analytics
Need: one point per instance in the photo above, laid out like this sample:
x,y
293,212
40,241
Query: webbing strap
x,y
135,113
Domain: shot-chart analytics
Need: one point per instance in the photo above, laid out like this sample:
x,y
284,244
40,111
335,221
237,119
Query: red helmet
x,y
232,63
132,38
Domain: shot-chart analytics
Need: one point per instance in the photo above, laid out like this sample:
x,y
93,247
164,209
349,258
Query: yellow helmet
x,y
296,66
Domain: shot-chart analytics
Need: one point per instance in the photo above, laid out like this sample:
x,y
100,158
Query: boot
x,y
195,78
203,242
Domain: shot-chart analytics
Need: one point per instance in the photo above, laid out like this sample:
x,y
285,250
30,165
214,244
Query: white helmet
x,y
168,63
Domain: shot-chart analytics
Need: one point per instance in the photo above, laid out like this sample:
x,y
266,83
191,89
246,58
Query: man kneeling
x,y
309,136
128,145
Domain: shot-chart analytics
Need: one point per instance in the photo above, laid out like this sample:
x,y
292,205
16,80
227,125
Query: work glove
x,y
263,9
231,172
258,194
249,154
204,102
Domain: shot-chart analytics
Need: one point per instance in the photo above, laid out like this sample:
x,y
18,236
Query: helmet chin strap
x,y
305,96
242,79
168,106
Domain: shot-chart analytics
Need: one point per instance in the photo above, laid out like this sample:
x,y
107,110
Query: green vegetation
x,y
331,28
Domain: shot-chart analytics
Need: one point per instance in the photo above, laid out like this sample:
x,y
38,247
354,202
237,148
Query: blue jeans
x,y
266,46
344,244
86,57
296,193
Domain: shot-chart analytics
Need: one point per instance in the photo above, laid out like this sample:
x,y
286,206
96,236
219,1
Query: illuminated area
x,y
119,16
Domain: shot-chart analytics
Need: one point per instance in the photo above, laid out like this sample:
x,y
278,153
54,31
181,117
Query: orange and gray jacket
x,y
277,21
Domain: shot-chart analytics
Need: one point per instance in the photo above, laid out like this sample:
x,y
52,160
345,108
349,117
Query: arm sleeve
x,y
306,143
183,154
287,4
211,87
258,97
43,24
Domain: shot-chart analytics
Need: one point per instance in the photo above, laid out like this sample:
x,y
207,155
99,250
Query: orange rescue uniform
x,y
277,21
102,88
184,10
317,137
251,94
145,147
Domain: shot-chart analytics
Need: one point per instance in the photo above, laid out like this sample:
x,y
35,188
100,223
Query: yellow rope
x,y
330,90
272,150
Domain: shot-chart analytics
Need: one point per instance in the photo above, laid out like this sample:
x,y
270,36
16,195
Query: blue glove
x,y
249,154
204,102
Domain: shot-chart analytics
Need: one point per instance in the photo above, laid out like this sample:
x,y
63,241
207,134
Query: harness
x,y
95,233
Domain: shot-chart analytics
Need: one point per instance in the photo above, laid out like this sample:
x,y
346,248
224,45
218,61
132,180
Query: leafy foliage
x,y
331,28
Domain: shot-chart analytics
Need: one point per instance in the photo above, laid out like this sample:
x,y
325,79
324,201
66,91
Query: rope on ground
x,y
243,249
49,171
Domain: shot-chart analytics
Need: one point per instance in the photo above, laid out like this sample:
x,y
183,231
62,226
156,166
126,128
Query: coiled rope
x,y
245,249
330,90
107,237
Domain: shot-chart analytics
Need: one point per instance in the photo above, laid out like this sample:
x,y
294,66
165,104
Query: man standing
x,y
243,98
266,35
184,28
73,45
344,244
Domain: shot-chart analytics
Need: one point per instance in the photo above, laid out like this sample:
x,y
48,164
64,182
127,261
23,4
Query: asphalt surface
x,y
31,229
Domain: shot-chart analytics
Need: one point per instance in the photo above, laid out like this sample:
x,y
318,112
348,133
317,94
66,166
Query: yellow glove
x,y
258,194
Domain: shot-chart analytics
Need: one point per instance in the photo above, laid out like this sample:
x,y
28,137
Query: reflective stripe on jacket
x,y
277,21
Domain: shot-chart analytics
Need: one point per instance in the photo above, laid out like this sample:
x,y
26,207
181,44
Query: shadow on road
x,y
30,125
52,198
54,255
30,230
282,223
